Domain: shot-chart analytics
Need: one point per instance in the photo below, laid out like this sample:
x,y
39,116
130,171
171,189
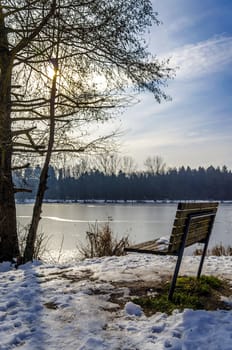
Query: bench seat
x,y
149,247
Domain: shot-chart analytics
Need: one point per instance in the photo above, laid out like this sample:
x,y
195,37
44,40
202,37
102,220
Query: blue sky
x,y
195,128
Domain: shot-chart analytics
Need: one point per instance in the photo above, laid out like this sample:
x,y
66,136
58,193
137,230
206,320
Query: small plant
x,y
100,241
189,293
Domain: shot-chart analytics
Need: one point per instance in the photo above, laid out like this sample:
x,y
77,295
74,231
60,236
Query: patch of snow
x,y
5,266
227,300
163,240
69,306
133,309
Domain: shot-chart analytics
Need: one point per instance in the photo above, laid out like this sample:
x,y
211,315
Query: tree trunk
x,y
37,210
9,247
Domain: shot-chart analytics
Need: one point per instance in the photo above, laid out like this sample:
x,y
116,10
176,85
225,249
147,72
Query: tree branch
x,y
25,41
16,190
24,131
20,167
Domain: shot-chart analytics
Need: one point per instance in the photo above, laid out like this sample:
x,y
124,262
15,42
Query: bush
x,y
100,241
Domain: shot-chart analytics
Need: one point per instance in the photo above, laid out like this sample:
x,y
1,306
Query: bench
x,y
193,224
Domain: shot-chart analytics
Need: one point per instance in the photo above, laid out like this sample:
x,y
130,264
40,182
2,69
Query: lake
x,y
69,222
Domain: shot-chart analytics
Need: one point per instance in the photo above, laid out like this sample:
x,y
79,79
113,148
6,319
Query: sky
x,y
194,128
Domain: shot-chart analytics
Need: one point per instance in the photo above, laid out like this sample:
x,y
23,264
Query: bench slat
x,y
175,244
199,206
191,235
151,247
193,227
181,222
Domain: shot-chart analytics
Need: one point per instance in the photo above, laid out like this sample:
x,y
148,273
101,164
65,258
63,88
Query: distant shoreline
x,y
112,201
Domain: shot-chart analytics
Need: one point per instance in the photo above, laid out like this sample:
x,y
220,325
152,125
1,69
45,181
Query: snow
x,y
68,306
133,309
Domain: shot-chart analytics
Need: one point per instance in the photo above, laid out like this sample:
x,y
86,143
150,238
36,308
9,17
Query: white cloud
x,y
205,57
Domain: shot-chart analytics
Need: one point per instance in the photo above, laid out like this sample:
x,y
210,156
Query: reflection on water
x,y
139,221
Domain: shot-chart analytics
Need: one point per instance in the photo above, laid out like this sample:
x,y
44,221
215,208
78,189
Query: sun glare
x,y
50,72
99,82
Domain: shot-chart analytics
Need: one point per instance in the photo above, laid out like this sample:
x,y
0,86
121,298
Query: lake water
x,y
140,221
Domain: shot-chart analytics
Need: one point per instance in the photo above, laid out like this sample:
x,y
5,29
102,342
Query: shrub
x,y
100,241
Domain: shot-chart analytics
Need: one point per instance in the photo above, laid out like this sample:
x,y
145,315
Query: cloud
x,y
202,58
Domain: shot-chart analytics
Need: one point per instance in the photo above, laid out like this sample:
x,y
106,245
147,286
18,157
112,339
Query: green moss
x,y
189,293
212,281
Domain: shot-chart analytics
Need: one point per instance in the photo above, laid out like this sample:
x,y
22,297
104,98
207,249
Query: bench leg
x,y
174,278
178,263
205,248
202,259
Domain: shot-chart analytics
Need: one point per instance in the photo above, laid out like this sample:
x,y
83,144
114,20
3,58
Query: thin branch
x,y
25,41
20,167
16,190
23,131
26,145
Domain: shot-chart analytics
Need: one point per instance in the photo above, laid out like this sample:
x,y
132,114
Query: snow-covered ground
x,y
72,307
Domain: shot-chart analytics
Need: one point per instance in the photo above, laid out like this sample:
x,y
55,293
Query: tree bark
x,y
9,247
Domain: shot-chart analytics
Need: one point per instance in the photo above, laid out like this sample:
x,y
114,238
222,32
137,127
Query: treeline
x,y
155,183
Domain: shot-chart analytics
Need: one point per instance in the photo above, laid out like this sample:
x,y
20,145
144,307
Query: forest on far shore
x,y
118,179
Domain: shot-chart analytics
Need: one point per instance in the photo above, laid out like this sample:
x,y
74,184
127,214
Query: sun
x,y
50,72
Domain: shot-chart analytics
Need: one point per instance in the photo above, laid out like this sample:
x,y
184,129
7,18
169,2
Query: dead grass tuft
x,y
217,250
100,242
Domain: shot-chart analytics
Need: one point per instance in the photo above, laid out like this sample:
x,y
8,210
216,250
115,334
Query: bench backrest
x,y
193,224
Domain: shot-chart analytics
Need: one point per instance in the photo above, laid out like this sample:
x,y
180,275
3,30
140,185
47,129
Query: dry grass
x,y
100,241
41,242
217,250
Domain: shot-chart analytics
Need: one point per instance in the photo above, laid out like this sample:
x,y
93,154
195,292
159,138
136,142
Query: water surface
x,y
140,221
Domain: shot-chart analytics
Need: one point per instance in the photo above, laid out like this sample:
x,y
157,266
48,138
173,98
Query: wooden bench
x,y
193,224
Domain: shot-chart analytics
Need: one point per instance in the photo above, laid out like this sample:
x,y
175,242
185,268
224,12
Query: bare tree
x,y
155,165
128,165
108,163
95,39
